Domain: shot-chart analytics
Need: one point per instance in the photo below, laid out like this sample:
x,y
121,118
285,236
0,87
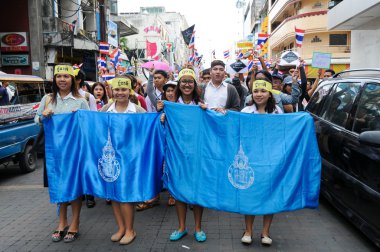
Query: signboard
x,y
14,42
15,60
245,45
153,42
239,66
321,60
112,34
289,58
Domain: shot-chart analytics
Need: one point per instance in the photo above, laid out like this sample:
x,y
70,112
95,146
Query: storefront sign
x,y
14,42
245,45
15,60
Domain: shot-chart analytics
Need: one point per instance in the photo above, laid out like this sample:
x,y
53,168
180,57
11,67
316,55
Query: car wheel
x,y
27,159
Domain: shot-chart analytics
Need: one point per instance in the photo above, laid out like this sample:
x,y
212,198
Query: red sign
x,y
14,42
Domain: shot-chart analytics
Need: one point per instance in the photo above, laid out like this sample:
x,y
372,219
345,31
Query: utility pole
x,y
102,17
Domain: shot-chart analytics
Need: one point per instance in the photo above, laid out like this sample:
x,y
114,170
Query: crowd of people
x,y
262,91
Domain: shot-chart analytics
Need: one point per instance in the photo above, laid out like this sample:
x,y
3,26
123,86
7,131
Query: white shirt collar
x,y
130,109
223,83
69,96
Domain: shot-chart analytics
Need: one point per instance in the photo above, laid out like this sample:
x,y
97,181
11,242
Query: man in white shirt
x,y
219,95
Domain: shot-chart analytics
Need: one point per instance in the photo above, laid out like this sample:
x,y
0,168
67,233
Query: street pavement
x,y
27,220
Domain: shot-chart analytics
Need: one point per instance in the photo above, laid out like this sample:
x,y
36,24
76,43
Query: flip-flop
x,y
175,236
58,235
71,236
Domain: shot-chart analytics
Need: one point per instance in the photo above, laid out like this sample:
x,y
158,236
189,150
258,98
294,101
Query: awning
x,y
20,78
124,26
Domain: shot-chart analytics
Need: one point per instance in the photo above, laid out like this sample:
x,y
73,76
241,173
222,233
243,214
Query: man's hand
x,y
160,105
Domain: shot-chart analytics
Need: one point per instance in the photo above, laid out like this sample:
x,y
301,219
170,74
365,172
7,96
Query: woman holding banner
x,y
64,99
263,102
123,211
187,93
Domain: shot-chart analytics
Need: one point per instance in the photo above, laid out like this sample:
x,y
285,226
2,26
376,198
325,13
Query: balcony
x,y
57,32
312,22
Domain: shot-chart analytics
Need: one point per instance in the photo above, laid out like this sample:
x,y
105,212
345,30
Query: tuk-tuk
x,y
18,131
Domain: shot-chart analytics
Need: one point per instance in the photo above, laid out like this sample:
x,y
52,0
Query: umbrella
x,y
158,65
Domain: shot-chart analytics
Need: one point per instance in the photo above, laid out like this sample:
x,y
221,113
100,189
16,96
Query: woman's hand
x,y
160,105
220,110
203,105
47,113
162,118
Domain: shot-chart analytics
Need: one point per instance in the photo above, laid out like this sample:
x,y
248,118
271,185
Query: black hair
x,y
162,72
205,71
81,76
268,76
104,97
330,71
55,88
195,94
271,103
217,63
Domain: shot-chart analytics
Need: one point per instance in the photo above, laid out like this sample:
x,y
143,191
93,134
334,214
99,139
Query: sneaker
x,y
246,239
266,240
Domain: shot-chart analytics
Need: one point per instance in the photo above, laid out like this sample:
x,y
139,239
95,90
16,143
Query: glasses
x,y
189,82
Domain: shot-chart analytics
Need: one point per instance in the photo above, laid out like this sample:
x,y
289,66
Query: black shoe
x,y
90,201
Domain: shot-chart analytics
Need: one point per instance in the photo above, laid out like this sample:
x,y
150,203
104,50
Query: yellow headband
x,y
262,84
187,72
64,69
121,83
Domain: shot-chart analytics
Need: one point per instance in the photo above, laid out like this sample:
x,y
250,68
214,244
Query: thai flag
x,y
104,48
226,54
262,39
299,36
213,54
191,44
250,65
102,63
198,59
75,66
191,58
114,57
240,54
108,76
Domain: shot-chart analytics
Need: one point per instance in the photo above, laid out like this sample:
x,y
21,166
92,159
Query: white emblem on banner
x,y
240,174
108,166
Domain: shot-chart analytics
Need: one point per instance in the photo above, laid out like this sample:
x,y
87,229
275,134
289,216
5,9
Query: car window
x,y
27,93
367,117
317,100
340,103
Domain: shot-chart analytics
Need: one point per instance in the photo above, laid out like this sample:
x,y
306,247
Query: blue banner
x,y
244,163
108,155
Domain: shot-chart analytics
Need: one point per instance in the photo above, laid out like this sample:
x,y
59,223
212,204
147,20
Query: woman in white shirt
x,y
123,211
263,102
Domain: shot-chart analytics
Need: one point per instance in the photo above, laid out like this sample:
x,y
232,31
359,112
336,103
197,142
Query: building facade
x,y
311,16
363,19
160,37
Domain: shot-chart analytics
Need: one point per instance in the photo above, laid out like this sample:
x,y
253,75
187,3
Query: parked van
x,y
18,131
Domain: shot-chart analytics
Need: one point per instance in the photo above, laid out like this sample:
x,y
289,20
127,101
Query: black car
x,y
346,112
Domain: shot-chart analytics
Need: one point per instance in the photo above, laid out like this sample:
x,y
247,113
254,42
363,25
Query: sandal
x,y
171,201
57,235
147,204
71,236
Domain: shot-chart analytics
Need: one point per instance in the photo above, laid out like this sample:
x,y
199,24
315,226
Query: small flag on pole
x,y
250,65
262,39
104,48
240,54
299,36
108,76
226,54
192,40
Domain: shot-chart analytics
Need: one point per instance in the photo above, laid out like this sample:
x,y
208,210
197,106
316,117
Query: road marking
x,y
20,187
